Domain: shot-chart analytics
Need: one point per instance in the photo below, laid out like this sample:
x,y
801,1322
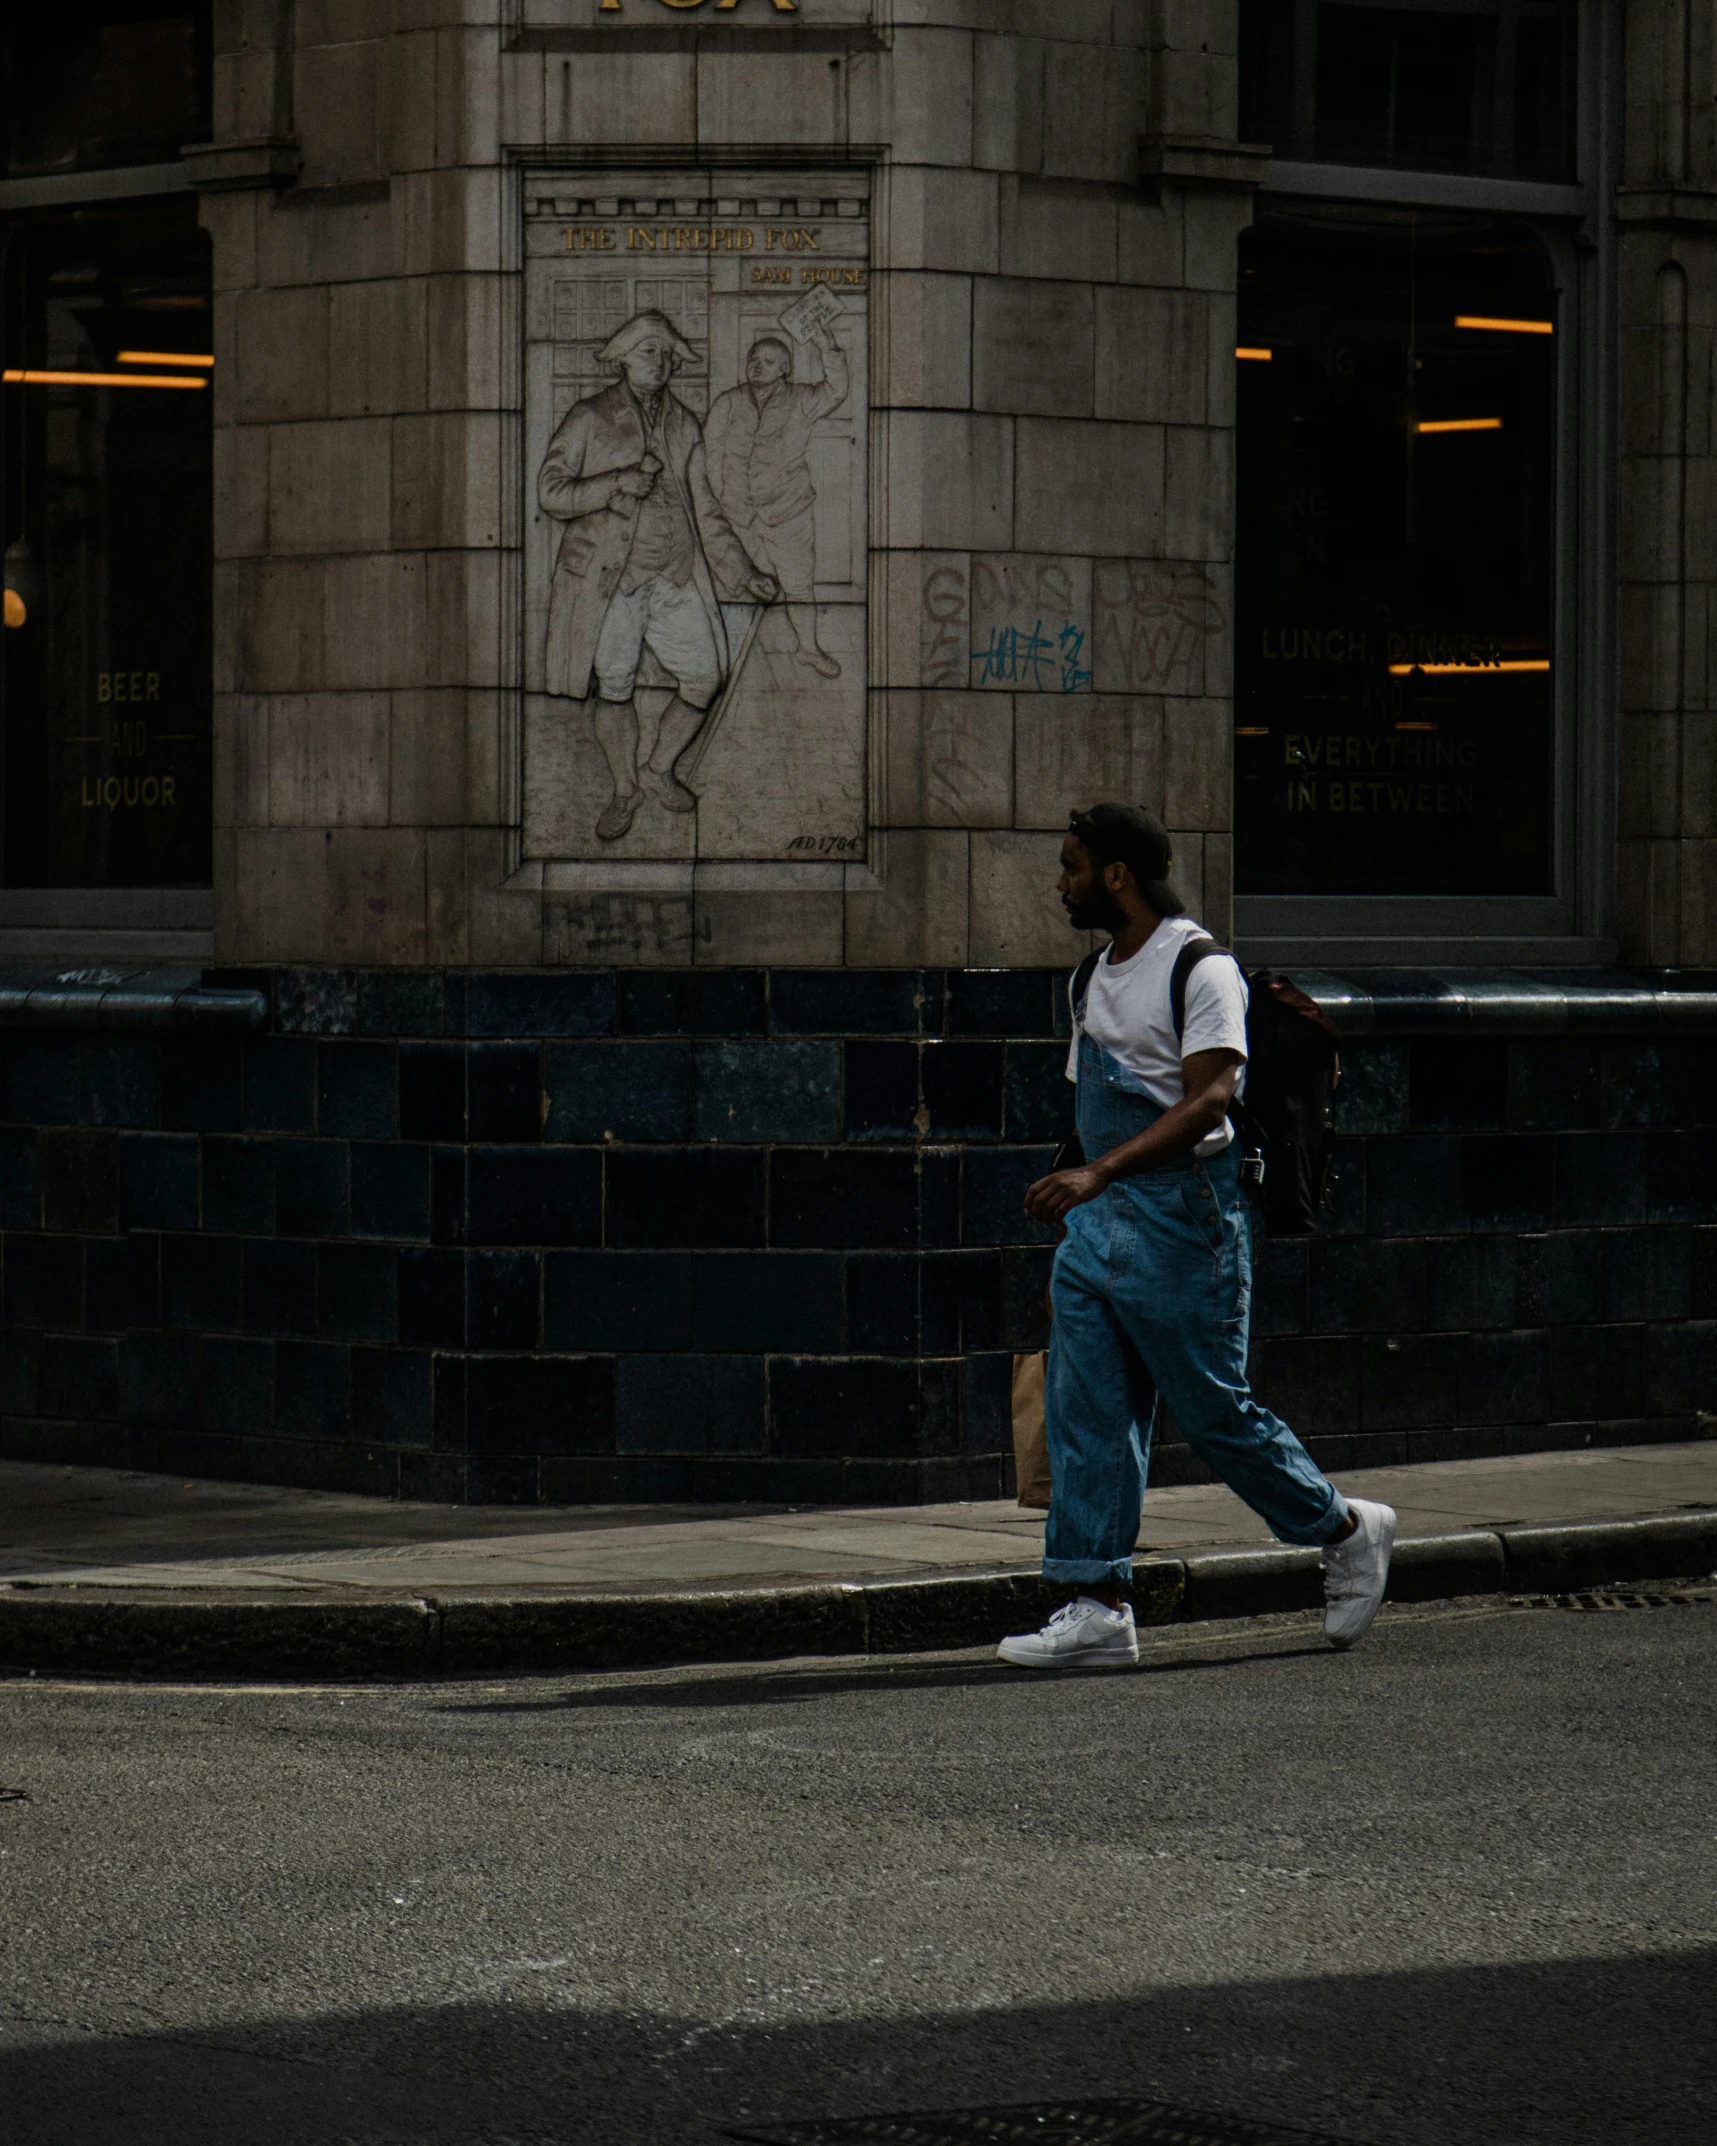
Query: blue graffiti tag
x,y
1015,658
1030,658
1073,674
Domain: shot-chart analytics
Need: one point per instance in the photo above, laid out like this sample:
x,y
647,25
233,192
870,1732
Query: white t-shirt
x,y
1127,1011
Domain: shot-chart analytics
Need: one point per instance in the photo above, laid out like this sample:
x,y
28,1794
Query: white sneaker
x,y
1084,1635
1356,1573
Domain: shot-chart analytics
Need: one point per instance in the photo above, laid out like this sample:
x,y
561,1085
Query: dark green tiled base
x,y
749,1237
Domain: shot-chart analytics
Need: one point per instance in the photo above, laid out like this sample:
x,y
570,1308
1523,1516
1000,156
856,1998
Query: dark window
x,y
1401,89
1441,87
1396,493
92,86
106,678
1544,98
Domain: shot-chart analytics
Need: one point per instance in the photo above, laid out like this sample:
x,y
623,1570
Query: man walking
x,y
1152,1283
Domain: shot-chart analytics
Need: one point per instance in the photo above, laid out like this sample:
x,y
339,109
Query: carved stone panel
x,y
695,505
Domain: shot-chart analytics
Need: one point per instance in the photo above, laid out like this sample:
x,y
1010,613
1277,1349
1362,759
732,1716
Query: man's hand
x,y
1053,1197
764,587
1209,1078
636,483
823,336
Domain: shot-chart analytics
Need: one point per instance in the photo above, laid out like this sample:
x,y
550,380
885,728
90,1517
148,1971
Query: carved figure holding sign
x,y
757,439
645,541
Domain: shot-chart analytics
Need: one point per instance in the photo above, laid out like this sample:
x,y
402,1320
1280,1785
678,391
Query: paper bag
x,y
1031,1445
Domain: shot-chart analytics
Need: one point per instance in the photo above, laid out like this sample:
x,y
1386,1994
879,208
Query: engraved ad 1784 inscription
x,y
695,497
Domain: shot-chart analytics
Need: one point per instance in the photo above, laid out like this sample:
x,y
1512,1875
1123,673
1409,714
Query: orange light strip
x,y
1508,327
35,379
1254,350
1469,670
163,357
1459,424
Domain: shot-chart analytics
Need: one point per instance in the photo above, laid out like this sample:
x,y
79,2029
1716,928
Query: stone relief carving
x,y
696,555
758,437
645,546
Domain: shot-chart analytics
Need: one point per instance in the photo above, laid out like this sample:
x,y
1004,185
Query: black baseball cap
x,y
1125,834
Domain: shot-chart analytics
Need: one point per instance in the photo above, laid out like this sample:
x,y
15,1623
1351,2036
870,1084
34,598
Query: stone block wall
x,y
1667,207
748,1235
1053,386
358,421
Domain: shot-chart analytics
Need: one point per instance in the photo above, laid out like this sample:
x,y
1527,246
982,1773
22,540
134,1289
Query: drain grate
x,y
1046,2123
1619,1599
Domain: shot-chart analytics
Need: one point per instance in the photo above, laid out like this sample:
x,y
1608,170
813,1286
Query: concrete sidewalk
x,y
102,1528
105,1570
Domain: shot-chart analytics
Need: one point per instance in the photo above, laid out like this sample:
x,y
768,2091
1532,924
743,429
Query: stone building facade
x,y
563,1025
1051,419
1667,808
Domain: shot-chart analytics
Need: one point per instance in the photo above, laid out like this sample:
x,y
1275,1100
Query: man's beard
x,y
1099,911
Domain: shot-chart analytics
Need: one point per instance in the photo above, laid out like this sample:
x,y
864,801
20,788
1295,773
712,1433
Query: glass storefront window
x,y
1428,85
106,676
90,87
1393,682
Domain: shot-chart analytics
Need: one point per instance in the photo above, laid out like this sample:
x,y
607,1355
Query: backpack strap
x,y
1082,983
1188,959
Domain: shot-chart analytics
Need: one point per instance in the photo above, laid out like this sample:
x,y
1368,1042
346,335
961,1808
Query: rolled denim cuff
x,y
1327,1529
1088,1571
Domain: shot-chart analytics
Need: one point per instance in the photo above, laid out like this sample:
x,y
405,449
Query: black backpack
x,y
1291,1073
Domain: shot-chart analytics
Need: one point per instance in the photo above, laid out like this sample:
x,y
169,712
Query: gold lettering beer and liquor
x,y
128,793
108,748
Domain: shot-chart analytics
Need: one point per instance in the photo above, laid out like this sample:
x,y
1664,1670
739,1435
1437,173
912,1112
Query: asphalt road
x,y
1457,1887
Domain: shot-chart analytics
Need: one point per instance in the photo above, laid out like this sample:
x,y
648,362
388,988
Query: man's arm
x,y
1210,1079
831,391
732,565
715,426
567,494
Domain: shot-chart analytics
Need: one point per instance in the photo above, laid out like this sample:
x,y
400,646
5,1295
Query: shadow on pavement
x,y
696,1690
1573,2053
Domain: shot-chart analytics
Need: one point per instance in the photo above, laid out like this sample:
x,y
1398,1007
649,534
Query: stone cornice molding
x,y
1200,161
232,167
1668,208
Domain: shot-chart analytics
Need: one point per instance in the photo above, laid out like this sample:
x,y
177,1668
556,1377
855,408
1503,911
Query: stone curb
x,y
72,1630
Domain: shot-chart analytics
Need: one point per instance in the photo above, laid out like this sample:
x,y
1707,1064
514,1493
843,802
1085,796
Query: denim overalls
x,y
1152,1292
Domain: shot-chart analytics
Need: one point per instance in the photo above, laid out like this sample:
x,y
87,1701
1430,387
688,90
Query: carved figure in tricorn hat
x,y
645,549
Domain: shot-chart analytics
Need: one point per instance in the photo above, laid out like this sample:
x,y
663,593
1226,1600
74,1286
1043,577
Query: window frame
x,y
201,16
140,924
1303,42
1575,924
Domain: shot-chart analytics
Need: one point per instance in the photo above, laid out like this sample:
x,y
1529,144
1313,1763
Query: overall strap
x,y
1071,1152
1082,983
1188,959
